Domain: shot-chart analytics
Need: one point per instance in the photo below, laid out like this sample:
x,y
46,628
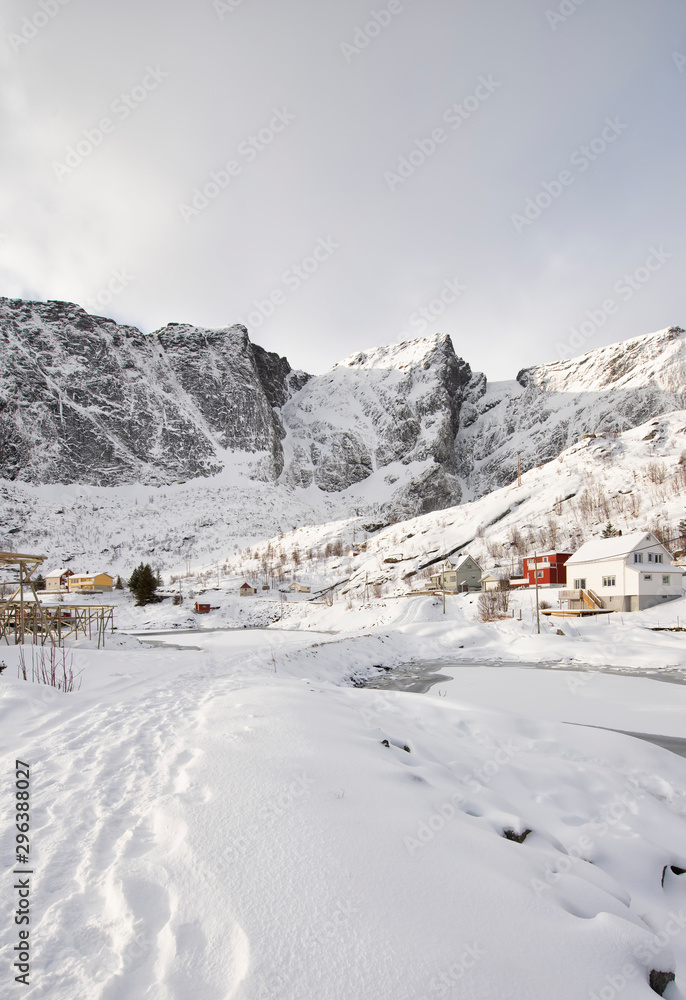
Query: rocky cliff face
x,y
85,400
393,406
550,407
408,428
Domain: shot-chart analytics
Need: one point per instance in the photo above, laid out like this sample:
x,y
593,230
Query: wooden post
x,y
519,470
538,616
21,602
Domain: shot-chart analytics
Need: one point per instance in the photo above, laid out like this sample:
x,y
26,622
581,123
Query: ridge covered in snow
x,y
407,428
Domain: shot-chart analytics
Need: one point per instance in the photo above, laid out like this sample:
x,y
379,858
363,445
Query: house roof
x,y
59,572
599,549
550,552
460,560
244,584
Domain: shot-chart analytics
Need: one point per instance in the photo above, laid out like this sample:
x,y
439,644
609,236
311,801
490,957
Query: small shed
x,y
298,588
490,582
245,590
201,609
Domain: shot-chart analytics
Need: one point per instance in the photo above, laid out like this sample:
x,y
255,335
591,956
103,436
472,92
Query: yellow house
x,y
90,581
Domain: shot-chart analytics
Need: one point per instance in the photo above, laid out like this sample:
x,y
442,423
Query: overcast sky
x,y
501,165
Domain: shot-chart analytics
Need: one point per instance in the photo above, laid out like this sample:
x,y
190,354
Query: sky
x,y
340,176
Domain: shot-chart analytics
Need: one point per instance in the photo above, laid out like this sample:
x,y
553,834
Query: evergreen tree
x,y
39,582
608,531
119,585
143,584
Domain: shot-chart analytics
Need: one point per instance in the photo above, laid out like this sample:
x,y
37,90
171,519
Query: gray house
x,y
465,574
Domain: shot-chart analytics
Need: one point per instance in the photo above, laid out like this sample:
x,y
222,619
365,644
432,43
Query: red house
x,y
548,569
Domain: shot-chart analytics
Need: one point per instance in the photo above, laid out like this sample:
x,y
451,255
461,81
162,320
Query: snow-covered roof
x,y
460,561
58,572
613,548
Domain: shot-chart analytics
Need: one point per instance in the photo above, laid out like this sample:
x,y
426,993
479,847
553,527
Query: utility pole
x,y
519,470
538,616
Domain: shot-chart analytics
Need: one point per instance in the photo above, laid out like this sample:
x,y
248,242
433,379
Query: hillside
x,y
390,432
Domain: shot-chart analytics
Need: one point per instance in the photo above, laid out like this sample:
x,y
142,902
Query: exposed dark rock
x,y
518,838
659,981
675,869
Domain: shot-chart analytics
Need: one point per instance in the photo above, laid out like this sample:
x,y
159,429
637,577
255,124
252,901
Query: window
x,y
665,579
658,557
540,574
638,557
609,581
647,576
580,584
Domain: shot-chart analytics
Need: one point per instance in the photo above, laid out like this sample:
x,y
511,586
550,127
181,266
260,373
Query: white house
x,y
625,573
58,579
465,574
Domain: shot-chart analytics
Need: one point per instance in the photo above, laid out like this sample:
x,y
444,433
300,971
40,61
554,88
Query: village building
x,y
463,575
90,582
245,590
298,588
58,579
490,582
623,573
547,569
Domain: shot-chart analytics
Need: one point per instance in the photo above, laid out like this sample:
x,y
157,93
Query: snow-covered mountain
x,y
208,431
550,407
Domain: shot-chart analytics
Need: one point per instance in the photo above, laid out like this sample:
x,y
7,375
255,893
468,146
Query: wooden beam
x,y
19,557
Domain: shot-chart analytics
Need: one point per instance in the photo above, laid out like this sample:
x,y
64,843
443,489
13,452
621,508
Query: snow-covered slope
x,y
408,428
237,822
550,407
636,480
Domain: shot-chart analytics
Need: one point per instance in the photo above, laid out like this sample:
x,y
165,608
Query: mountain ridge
x,y
404,428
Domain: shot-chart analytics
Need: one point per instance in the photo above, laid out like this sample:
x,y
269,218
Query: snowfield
x,y
363,792
239,821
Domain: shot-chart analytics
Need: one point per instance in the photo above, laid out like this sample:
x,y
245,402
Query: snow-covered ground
x,y
239,821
